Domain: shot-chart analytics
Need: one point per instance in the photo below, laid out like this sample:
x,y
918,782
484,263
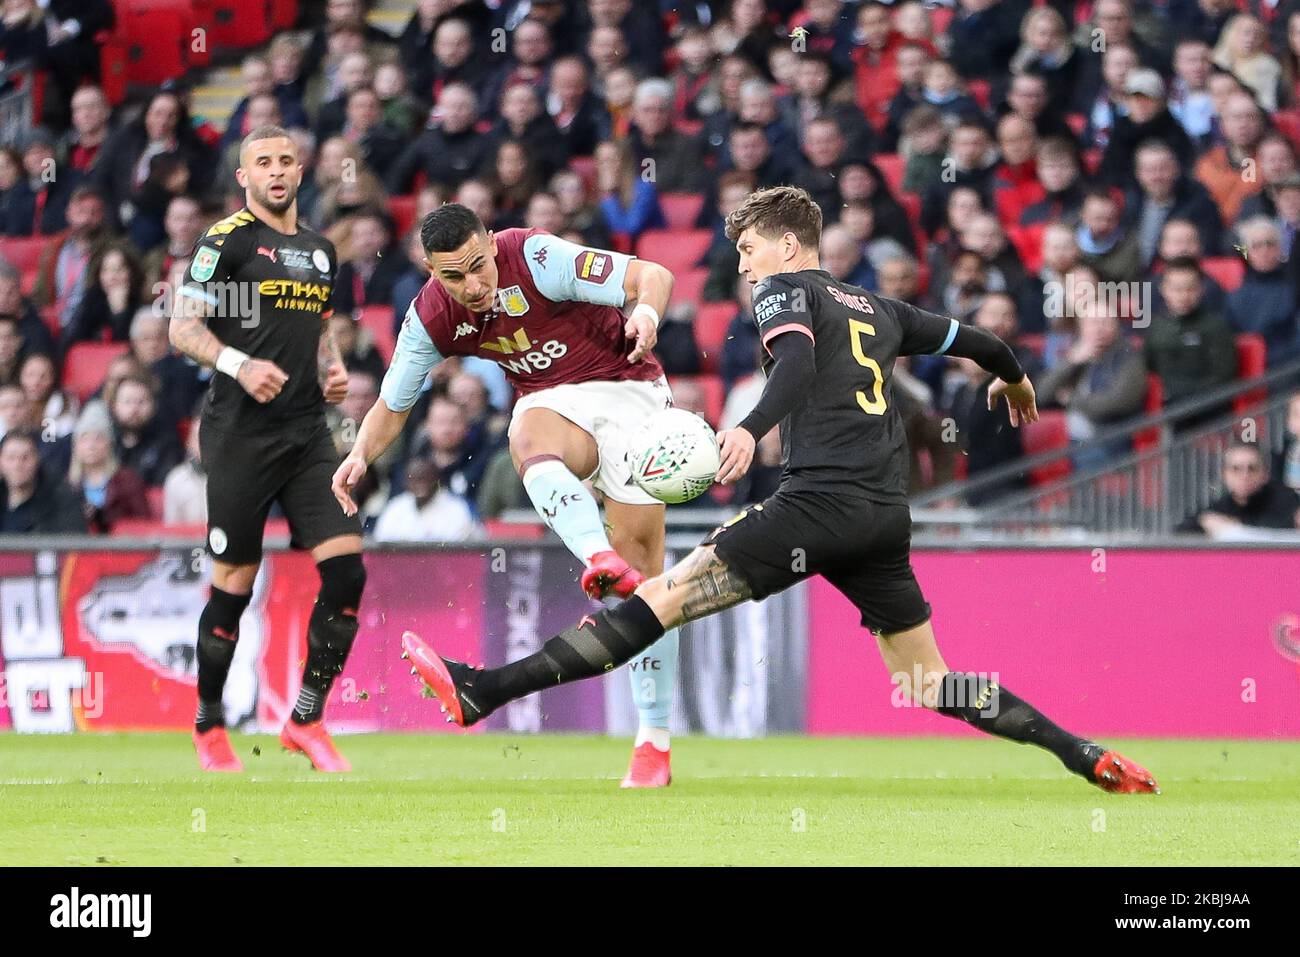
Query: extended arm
x,y
995,356
991,353
413,360
789,383
565,271
650,286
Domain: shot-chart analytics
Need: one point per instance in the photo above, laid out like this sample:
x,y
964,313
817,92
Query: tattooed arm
x,y
333,371
190,334
697,586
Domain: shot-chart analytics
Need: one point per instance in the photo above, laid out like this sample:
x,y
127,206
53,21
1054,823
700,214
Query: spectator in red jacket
x,y
875,68
1015,179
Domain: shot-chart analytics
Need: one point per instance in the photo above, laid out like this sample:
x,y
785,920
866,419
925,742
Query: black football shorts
x,y
248,473
862,547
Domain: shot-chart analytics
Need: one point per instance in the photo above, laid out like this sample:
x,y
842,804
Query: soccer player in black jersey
x,y
254,306
841,506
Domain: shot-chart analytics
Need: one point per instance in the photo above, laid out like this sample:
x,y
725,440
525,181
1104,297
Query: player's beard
x,y
277,206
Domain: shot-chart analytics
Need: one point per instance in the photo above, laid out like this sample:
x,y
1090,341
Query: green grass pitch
x,y
508,799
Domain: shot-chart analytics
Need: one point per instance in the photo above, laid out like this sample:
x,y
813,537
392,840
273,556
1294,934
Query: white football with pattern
x,y
674,456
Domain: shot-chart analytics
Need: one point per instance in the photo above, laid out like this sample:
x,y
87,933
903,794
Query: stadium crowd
x,y
1008,163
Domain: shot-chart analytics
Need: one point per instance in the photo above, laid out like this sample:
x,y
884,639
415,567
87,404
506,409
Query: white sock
x,y
656,736
567,508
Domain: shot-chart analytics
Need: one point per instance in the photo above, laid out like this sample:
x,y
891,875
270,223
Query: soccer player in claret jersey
x,y
548,312
830,353
254,306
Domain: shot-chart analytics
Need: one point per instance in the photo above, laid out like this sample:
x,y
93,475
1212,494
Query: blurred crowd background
x,y
1112,187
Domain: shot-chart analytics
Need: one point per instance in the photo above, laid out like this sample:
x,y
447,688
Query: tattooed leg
x,y
699,585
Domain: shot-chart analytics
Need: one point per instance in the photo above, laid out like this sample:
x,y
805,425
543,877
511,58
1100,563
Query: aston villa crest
x,y
513,301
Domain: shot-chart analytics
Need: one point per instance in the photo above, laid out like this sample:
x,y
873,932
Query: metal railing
x,y
1143,493
16,103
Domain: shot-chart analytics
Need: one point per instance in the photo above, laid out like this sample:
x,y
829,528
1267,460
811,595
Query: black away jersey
x,y
848,434
269,295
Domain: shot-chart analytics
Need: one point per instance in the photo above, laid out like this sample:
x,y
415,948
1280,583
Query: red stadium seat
x,y
284,14
1228,271
678,249
197,15
112,68
892,167
241,23
1150,438
157,43
1288,124
87,364
681,209
711,323
23,253
714,394
689,285
1252,361
1049,432
402,210
378,321
940,18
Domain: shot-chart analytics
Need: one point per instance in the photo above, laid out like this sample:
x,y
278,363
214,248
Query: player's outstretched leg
x,y
700,584
987,706
330,633
218,632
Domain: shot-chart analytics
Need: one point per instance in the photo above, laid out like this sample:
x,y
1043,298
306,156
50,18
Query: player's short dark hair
x,y
265,132
776,210
449,227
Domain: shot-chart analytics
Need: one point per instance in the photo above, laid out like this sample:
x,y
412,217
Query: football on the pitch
x,y
674,456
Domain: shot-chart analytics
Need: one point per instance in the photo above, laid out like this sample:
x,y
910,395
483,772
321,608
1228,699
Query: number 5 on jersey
x,y
876,404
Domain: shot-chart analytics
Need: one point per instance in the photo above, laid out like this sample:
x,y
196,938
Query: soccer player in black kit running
x,y
841,504
254,306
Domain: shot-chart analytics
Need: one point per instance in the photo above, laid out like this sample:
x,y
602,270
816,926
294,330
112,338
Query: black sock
x,y
330,633
986,705
329,639
597,644
218,632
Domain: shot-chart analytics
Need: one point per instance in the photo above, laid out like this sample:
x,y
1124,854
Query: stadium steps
x,y
222,88
215,99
